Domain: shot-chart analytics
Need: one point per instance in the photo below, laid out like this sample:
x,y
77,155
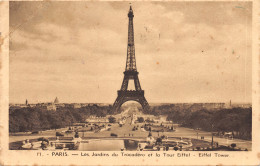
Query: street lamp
x,y
212,126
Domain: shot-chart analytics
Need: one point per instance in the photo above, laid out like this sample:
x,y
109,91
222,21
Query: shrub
x,y
112,119
233,145
175,148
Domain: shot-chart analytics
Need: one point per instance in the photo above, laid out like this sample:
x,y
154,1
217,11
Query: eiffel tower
x,y
130,73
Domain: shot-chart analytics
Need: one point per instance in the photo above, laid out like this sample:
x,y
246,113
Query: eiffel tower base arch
x,y
124,96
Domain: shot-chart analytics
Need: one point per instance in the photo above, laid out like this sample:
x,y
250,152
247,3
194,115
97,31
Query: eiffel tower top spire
x,y
130,13
130,61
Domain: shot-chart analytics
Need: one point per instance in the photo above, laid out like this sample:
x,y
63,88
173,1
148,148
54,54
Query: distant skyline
x,y
131,102
186,52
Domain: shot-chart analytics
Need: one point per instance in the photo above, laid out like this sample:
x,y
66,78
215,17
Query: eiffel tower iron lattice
x,y
130,73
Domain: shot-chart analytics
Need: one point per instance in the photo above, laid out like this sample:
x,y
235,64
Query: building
x,y
32,105
241,105
56,101
50,107
47,106
73,105
76,105
94,119
59,105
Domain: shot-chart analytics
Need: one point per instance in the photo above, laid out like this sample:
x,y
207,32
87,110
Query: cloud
x,y
214,14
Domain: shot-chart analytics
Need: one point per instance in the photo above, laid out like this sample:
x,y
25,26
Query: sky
x,y
76,51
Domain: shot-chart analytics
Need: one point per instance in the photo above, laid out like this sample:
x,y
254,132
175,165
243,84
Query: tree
x,y
112,119
140,119
77,134
159,141
38,118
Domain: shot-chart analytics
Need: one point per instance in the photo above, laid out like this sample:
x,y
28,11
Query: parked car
x,y
69,131
113,135
59,134
35,132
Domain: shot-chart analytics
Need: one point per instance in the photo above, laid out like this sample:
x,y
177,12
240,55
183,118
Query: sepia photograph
x,y
130,76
